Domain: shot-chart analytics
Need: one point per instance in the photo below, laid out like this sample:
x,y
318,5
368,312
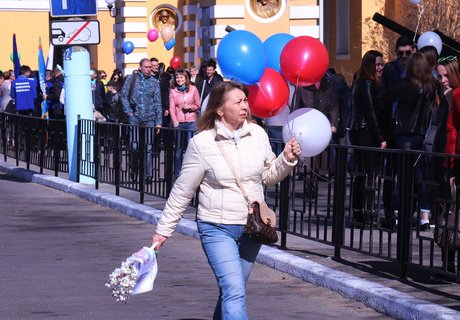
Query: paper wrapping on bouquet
x,y
145,261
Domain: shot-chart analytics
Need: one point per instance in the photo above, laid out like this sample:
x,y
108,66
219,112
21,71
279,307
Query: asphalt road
x,y
56,251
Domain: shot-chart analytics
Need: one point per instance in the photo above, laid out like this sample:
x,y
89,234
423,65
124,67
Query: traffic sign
x,y
73,8
74,32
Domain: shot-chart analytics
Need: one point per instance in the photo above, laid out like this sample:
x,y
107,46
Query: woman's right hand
x,y
158,238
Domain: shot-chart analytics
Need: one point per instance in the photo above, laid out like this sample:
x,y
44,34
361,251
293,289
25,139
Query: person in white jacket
x,y
222,209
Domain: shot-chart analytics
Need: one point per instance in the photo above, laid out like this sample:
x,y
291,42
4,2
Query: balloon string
x,y
294,107
421,10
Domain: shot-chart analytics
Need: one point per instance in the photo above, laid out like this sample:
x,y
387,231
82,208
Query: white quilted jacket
x,y
220,199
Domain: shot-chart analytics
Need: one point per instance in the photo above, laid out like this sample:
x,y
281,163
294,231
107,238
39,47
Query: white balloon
x,y
311,128
430,38
415,1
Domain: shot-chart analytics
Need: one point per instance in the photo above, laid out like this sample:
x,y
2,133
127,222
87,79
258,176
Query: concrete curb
x,y
380,298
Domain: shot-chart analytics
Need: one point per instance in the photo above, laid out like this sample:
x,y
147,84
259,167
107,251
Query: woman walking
x,y
222,209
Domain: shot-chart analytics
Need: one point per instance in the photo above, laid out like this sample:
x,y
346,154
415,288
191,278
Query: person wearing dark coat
x,y
211,79
320,96
165,85
366,130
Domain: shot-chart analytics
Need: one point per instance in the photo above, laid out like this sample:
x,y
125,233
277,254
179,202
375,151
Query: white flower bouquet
x,y
135,275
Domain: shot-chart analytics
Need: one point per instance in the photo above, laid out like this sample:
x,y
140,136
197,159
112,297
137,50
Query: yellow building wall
x,y
104,54
157,49
363,34
28,26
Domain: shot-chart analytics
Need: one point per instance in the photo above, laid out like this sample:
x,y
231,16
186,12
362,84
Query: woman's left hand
x,y
292,150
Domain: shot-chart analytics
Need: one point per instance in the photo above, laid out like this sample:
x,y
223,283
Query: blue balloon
x,y
170,44
128,47
273,47
241,57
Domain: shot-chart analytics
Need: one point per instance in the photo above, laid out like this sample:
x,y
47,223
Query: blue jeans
x,y
275,132
181,141
231,256
134,141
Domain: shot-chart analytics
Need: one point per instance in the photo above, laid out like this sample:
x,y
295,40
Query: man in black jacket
x,y
204,86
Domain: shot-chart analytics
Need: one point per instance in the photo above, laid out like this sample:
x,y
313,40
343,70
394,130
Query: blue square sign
x,y
73,8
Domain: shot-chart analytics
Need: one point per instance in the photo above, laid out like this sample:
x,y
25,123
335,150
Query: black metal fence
x,y
361,199
34,141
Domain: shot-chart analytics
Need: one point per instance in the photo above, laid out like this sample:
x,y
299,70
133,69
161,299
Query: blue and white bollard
x,y
78,101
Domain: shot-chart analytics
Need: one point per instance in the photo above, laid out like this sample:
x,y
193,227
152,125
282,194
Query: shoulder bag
x,y
261,222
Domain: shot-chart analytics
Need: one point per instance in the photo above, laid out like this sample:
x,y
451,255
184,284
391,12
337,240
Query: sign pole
x,y
78,101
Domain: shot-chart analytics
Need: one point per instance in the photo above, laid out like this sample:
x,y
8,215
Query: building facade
x,y
198,26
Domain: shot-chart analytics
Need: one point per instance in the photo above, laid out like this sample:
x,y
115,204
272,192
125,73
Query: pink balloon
x,y
304,60
167,34
152,35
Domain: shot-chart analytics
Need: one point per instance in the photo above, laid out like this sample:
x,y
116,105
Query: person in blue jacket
x,y
24,92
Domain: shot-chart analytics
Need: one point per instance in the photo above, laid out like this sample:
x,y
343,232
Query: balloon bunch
x,y
266,66
167,34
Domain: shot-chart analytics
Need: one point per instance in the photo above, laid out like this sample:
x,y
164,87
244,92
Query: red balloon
x,y
269,96
175,62
304,60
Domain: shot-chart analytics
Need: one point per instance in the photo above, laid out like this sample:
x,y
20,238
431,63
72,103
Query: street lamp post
x,y
110,6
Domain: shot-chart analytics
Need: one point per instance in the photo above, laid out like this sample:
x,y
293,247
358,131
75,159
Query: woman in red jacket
x,y
453,136
184,102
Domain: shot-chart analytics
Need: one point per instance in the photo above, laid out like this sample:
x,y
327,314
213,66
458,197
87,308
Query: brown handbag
x,y
261,222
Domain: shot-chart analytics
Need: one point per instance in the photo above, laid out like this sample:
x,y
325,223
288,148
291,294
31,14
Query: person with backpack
x,y
141,100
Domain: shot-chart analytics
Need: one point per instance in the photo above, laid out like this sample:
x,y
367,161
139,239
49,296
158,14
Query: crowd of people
x,y
411,103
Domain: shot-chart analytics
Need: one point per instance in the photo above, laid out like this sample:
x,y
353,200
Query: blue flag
x,y
42,78
17,64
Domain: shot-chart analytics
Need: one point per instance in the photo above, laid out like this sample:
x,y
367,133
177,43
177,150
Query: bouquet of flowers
x,y
135,275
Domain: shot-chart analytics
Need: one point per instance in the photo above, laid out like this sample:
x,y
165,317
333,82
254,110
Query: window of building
x,y
343,28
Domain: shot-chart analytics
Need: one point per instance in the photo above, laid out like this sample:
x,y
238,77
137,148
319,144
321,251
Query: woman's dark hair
x,y
181,72
431,55
217,98
418,72
366,70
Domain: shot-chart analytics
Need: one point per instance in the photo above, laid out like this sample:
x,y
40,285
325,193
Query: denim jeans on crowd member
x,y
134,141
181,139
275,132
231,256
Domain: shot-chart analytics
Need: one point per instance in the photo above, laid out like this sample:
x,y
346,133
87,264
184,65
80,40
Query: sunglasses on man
x,y
407,53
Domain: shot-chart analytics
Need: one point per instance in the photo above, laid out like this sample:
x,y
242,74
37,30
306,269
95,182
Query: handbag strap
x,y
232,168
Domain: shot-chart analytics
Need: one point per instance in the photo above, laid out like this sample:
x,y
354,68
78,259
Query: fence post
x,y
16,139
284,209
338,216
43,141
28,130
169,159
405,177
117,158
141,149
79,148
97,151
4,140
